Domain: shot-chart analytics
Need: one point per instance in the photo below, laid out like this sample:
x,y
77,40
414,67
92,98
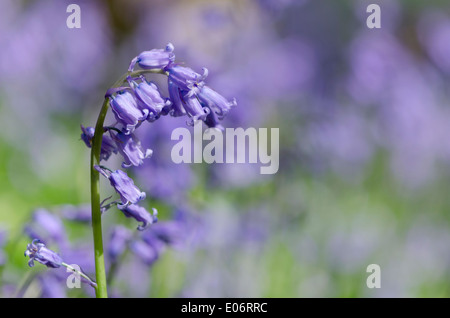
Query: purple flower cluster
x,y
142,101
131,105
188,94
191,96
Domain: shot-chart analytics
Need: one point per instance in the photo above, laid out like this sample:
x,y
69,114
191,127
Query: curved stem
x,y
100,272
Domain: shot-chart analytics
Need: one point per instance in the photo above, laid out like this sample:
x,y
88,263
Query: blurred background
x,y
364,119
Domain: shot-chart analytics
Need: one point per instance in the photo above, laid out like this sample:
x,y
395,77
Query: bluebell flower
x,y
154,59
81,213
124,186
182,104
37,251
108,146
177,108
212,121
130,148
194,109
140,214
216,102
127,112
87,134
118,242
191,96
149,98
187,79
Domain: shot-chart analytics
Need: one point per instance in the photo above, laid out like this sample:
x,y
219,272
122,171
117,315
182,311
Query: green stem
x,y
100,272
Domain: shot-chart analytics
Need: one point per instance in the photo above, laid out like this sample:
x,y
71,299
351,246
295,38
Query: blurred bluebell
x,y
52,286
47,227
3,236
146,252
434,34
79,213
118,242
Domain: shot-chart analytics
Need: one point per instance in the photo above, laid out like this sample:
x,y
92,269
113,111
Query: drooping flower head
x,y
154,59
177,108
191,96
149,98
140,214
216,102
194,109
130,148
187,79
37,251
127,112
183,104
108,146
123,184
